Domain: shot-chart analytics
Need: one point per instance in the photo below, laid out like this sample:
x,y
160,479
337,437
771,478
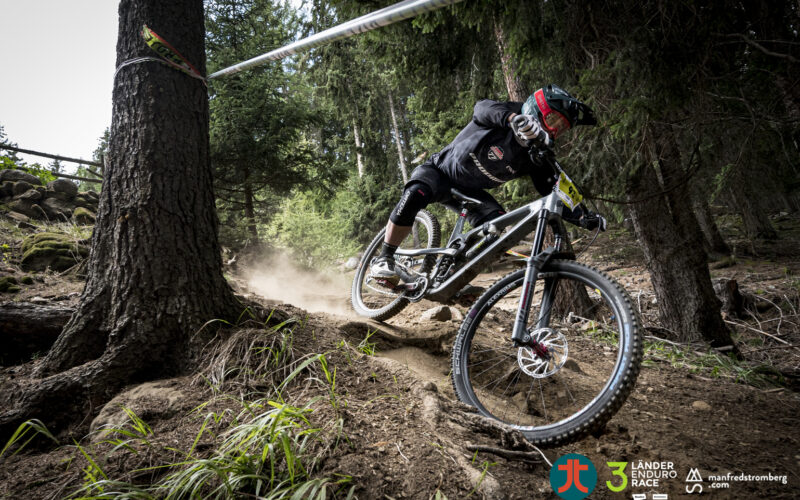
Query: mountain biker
x,y
494,148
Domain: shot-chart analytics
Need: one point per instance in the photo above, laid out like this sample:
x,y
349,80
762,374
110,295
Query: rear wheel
x,y
372,299
573,386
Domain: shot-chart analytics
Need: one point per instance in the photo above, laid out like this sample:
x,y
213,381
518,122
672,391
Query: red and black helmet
x,y
557,110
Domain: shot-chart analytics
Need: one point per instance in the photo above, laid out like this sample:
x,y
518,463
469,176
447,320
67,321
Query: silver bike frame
x,y
533,216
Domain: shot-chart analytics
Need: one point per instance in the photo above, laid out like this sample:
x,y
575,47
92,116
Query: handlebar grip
x,y
545,140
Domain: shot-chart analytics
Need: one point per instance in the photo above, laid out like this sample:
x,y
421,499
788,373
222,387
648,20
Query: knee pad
x,y
415,197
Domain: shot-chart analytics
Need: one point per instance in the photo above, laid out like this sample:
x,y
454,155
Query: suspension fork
x,y
550,284
520,333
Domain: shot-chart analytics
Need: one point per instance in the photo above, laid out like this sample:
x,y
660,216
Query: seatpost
x,y
459,226
520,334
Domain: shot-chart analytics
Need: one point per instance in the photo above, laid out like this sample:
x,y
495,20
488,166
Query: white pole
x,y
383,17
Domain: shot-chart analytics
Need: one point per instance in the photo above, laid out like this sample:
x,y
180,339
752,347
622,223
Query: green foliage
x,y
259,118
44,175
262,455
365,346
267,449
316,235
31,429
659,88
712,364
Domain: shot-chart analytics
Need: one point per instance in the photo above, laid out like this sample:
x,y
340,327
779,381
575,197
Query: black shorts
x,y
440,184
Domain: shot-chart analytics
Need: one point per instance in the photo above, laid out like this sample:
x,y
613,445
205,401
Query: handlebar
x,y
544,141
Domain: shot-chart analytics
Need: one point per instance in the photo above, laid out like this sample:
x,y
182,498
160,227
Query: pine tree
x,y
154,271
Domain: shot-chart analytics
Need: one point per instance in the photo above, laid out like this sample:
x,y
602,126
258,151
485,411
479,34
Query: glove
x,y
525,127
592,221
586,219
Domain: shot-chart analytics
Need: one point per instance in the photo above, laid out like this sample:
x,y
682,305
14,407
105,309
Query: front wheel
x,y
372,300
572,386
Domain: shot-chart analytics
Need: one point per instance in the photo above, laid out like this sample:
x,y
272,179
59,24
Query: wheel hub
x,y
546,356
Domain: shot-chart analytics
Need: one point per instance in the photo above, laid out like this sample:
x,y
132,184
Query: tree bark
x,y
155,271
400,154
516,89
359,157
29,328
669,234
756,223
249,210
714,242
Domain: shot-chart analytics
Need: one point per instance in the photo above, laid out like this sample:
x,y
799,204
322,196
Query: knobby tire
x,y
487,375
380,312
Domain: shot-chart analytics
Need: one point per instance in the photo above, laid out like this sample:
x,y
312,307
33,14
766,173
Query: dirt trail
x,y
675,418
406,435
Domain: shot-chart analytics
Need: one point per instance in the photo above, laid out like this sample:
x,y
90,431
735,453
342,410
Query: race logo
x,y
495,153
573,477
694,477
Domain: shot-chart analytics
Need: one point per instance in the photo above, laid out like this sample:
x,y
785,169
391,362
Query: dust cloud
x,y
280,279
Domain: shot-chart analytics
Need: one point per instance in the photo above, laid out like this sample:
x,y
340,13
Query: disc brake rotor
x,y
548,357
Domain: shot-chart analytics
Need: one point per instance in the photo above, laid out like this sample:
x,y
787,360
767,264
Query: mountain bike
x,y
553,349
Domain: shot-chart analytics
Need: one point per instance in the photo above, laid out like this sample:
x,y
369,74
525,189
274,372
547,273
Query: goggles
x,y
554,122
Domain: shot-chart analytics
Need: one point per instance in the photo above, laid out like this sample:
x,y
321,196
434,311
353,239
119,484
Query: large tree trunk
x,y
670,237
516,89
155,271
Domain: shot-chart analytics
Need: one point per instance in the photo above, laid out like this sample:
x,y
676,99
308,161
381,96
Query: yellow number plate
x,y
568,192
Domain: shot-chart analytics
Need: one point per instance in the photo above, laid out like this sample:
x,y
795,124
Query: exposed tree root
x,y
527,456
454,423
29,328
66,401
398,336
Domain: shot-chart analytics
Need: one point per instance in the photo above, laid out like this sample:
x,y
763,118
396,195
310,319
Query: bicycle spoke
x,y
544,406
552,384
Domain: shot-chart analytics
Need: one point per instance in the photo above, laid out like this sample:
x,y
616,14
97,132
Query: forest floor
x,y
379,417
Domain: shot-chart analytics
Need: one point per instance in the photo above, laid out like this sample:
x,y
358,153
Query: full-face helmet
x,y
557,110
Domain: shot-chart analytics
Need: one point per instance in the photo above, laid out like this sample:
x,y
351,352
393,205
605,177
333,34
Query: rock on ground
x,y
63,186
54,250
162,399
83,216
57,210
439,313
19,175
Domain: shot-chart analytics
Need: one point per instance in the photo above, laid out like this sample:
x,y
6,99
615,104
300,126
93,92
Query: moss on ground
x,y
8,284
51,250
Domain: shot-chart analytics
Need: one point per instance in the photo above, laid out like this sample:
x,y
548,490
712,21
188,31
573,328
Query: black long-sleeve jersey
x,y
485,153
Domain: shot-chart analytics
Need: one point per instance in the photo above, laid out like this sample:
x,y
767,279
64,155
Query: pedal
x,y
468,295
388,284
396,287
465,300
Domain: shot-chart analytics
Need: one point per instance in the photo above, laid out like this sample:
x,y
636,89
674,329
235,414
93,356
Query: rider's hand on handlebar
x,y
525,127
586,219
529,132
592,221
